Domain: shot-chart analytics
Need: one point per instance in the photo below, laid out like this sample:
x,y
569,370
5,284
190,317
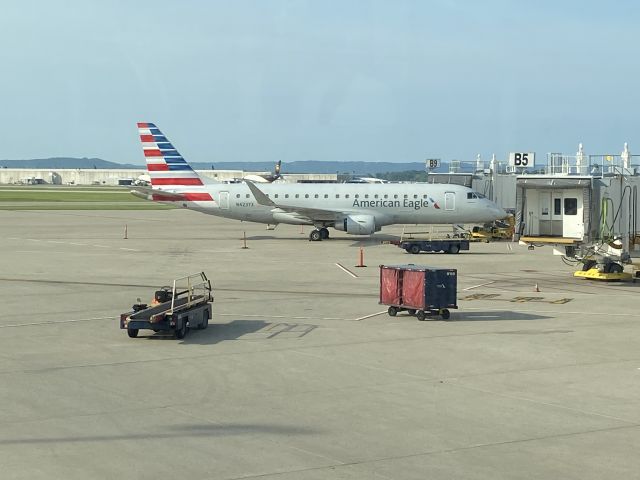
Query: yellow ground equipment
x,y
499,230
607,272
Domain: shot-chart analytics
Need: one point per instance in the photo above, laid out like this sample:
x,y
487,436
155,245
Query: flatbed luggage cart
x,y
183,306
420,290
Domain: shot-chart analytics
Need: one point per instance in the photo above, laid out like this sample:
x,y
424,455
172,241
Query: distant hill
x,y
316,166
305,166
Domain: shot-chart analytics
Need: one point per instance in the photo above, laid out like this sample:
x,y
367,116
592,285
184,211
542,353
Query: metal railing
x,y
197,287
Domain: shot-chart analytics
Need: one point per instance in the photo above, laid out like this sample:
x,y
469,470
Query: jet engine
x,y
357,225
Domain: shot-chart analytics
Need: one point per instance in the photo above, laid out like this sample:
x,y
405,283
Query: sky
x,y
351,80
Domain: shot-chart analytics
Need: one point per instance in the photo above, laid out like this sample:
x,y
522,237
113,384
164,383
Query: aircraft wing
x,y
319,214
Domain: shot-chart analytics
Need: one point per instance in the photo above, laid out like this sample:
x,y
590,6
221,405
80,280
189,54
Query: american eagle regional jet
x,y
355,208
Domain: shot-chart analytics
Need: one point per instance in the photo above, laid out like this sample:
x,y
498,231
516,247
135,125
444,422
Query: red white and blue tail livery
x,y
355,208
168,170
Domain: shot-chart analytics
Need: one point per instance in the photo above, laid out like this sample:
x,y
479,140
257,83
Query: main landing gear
x,y
319,234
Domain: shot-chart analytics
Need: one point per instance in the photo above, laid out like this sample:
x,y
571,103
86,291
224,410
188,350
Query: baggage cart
x,y
183,306
418,289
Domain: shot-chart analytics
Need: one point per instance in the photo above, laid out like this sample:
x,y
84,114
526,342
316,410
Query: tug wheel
x,y
205,320
615,268
182,331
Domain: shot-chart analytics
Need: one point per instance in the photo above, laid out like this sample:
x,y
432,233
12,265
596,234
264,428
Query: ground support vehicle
x,y
498,230
438,238
487,234
183,306
451,245
420,290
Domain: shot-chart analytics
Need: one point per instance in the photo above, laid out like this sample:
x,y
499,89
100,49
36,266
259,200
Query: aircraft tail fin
x,y
167,168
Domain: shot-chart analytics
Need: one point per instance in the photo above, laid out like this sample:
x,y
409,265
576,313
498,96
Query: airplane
x,y
255,178
354,208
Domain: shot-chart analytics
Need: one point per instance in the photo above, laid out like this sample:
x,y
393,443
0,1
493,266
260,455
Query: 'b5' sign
x,y
522,160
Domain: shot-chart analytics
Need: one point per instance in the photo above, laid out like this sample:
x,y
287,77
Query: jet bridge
x,y
586,207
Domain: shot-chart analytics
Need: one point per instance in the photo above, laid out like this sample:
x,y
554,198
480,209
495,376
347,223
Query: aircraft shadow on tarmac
x,y
355,242
177,431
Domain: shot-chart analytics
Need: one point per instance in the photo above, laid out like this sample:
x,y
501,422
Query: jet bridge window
x,y
570,206
557,206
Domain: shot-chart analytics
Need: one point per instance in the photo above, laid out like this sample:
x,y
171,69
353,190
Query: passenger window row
x,y
337,195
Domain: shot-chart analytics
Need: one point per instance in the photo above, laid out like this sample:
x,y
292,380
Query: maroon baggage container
x,y
418,289
390,285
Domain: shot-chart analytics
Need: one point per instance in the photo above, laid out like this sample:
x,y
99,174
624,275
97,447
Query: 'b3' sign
x,y
522,160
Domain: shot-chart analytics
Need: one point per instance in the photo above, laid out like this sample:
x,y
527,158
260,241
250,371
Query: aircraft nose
x,y
497,212
500,212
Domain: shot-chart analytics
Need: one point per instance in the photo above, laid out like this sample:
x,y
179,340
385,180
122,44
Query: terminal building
x,y
92,176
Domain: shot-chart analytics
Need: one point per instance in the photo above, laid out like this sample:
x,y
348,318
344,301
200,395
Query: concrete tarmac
x,y
302,374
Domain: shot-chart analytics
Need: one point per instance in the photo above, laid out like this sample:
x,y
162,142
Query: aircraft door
x,y
544,215
449,200
572,210
556,215
223,200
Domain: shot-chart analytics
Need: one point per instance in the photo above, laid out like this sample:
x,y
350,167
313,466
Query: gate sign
x,y
522,160
432,163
